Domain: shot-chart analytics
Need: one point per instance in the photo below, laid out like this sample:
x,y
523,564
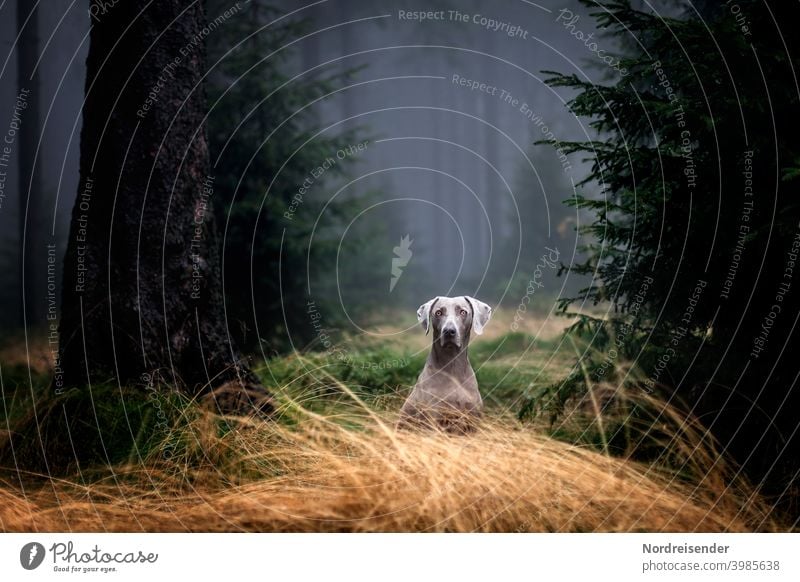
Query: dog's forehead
x,y
452,303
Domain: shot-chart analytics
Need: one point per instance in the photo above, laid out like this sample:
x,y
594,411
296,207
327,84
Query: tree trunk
x,y
142,298
30,183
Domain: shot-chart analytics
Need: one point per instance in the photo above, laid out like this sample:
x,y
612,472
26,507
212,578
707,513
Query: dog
x,y
446,395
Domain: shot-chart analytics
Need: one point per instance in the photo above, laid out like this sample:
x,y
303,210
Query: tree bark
x,y
142,297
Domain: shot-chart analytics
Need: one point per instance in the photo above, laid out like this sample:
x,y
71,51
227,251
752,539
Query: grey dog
x,y
446,394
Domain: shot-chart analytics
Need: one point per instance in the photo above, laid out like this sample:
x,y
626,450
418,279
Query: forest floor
x,y
332,461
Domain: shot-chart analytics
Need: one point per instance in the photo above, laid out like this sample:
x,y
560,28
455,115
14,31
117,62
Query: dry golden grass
x,y
347,469
320,476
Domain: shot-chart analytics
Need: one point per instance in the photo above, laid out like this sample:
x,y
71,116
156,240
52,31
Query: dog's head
x,y
453,318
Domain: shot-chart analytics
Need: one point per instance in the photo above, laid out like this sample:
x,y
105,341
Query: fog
x,y
449,106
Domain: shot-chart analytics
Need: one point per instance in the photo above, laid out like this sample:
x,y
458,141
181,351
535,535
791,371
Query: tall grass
x,y
331,460
355,473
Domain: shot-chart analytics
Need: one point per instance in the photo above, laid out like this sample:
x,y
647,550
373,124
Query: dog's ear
x,y
480,314
424,314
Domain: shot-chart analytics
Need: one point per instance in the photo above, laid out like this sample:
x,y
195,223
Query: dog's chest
x,y
440,386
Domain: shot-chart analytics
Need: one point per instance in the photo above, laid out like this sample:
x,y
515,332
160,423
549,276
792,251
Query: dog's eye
x,y
463,313
438,313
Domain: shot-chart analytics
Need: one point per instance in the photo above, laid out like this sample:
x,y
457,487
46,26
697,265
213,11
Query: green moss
x,y
82,428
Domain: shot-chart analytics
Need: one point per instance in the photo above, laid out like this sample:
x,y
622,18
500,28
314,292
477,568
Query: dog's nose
x,y
449,332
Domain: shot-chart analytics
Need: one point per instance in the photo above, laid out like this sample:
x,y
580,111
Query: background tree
x,y
142,293
264,117
695,237
30,181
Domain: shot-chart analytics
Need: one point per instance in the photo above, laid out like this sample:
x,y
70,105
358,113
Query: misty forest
x,y
230,231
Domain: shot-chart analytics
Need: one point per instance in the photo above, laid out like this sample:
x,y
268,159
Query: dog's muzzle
x,y
450,336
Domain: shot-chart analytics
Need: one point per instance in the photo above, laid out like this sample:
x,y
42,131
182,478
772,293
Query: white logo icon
x,y
402,256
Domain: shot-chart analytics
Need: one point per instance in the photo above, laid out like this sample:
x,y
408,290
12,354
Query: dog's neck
x,y
452,360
